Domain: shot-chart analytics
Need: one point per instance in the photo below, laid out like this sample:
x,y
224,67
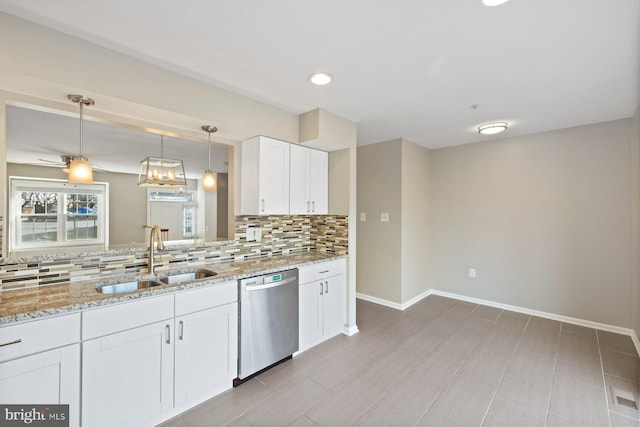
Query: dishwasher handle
x,y
270,285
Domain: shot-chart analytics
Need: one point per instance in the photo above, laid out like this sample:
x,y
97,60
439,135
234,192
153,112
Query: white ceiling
x,y
407,68
40,138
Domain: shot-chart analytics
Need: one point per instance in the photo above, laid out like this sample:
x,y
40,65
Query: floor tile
x,y
618,420
620,364
303,421
578,402
630,387
388,371
460,404
487,313
512,321
173,422
528,367
518,403
540,324
486,366
418,345
228,405
578,344
539,343
617,342
580,367
583,331
290,404
345,406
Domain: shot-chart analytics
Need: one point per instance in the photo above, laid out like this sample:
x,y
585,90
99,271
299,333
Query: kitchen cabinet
x,y
309,179
321,302
127,374
264,177
156,357
206,347
41,367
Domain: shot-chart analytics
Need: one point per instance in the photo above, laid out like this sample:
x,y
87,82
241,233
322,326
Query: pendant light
x,y
209,177
80,171
161,172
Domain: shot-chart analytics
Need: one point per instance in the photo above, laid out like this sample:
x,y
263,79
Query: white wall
x,y
545,219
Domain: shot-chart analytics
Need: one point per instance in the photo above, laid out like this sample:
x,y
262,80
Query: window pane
x,y
82,227
38,228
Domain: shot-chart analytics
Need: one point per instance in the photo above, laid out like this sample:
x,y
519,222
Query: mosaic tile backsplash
x,y
280,235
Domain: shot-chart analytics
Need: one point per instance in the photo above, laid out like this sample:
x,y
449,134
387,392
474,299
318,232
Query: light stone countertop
x,y
44,301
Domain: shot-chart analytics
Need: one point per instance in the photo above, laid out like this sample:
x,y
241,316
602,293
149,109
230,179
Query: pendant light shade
x,y
161,172
80,171
209,181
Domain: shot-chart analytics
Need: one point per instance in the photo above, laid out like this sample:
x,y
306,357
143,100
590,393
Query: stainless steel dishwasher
x,y
268,319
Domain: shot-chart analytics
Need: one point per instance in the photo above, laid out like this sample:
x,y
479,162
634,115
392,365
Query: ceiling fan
x,y
65,163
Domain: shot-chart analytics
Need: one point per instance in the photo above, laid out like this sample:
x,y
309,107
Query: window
x,y
175,211
51,213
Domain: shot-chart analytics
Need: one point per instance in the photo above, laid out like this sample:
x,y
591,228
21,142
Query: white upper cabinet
x,y
309,176
265,177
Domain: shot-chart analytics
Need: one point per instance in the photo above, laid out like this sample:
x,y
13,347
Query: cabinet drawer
x,y
313,272
203,298
120,317
38,335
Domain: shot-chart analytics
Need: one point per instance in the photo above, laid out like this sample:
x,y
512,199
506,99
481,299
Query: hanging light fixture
x,y
161,172
80,171
209,177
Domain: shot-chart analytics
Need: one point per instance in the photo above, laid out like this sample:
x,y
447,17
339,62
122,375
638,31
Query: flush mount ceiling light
x,y
493,2
80,171
320,79
161,172
492,128
209,177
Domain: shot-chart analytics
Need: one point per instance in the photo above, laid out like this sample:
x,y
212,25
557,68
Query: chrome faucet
x,y
155,230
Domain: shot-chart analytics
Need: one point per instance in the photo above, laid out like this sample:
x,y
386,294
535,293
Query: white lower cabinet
x,y
205,352
321,308
149,372
40,363
127,377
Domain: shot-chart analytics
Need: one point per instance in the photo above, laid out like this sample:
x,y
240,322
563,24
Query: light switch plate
x,y
363,216
258,234
384,217
472,273
251,236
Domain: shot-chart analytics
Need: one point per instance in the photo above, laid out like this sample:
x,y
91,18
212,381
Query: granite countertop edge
x,y
282,262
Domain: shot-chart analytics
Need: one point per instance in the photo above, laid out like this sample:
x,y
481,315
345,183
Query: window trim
x,y
20,183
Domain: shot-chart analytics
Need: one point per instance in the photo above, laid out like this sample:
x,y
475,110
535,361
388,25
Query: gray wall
x,y
379,244
545,219
416,232
635,199
223,206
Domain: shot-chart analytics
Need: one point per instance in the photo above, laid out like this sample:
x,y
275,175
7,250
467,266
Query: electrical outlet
x,y
472,273
251,234
363,216
384,217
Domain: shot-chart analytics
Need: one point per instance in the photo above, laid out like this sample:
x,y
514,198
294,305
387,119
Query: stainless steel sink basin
x,y
188,276
132,285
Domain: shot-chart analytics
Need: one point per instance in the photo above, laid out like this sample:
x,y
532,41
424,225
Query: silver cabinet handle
x,y
326,287
181,324
18,341
321,289
262,205
313,207
168,334
323,271
308,207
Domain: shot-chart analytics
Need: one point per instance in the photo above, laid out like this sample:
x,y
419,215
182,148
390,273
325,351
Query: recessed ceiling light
x,y
492,128
320,79
493,2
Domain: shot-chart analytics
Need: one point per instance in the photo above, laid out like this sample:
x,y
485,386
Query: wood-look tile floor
x,y
441,362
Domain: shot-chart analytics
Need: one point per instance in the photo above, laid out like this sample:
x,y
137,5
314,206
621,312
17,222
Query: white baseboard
x,y
350,330
392,304
518,309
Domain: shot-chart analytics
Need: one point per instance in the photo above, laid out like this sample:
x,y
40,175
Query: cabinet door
x,y
310,315
333,308
206,352
52,377
299,201
273,177
319,182
127,377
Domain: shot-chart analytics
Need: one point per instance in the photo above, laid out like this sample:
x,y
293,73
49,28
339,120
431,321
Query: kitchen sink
x,y
132,285
187,276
